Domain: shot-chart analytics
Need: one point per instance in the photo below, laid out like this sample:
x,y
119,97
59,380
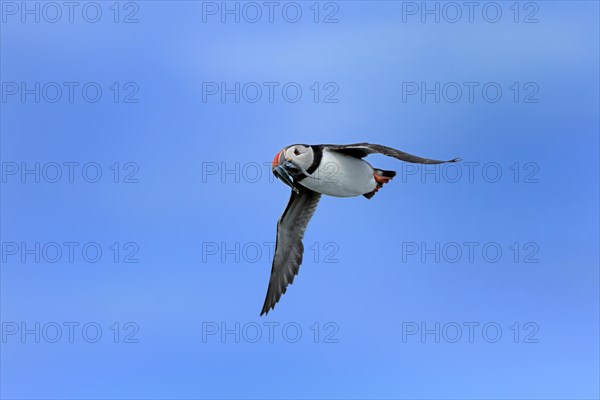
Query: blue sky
x,y
138,209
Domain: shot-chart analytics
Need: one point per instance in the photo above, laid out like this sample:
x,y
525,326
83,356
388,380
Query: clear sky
x,y
139,211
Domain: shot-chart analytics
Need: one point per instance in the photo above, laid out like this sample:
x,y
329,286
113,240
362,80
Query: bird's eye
x,y
296,152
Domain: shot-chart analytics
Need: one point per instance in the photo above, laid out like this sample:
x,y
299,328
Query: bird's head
x,y
291,162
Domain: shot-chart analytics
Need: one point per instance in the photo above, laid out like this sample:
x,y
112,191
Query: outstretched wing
x,y
289,247
361,150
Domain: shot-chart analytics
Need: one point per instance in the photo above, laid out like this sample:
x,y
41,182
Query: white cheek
x,y
305,161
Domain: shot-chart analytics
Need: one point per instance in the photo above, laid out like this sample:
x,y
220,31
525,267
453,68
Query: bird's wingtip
x,y
266,308
265,311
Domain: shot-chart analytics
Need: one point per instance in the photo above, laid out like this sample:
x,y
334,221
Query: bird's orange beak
x,y
281,172
277,160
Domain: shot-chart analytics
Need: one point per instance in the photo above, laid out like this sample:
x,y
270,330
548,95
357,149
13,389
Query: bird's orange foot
x,y
380,179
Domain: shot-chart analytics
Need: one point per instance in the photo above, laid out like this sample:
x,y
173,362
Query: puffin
x,y
311,171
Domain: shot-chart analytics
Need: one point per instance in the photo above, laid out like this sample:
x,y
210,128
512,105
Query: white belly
x,y
340,175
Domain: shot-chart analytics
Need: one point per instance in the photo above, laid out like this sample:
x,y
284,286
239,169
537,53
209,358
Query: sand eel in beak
x,y
334,170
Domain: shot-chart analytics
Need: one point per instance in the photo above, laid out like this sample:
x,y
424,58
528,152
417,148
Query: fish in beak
x,y
280,171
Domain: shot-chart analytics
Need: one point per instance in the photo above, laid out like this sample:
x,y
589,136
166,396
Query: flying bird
x,y
313,170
